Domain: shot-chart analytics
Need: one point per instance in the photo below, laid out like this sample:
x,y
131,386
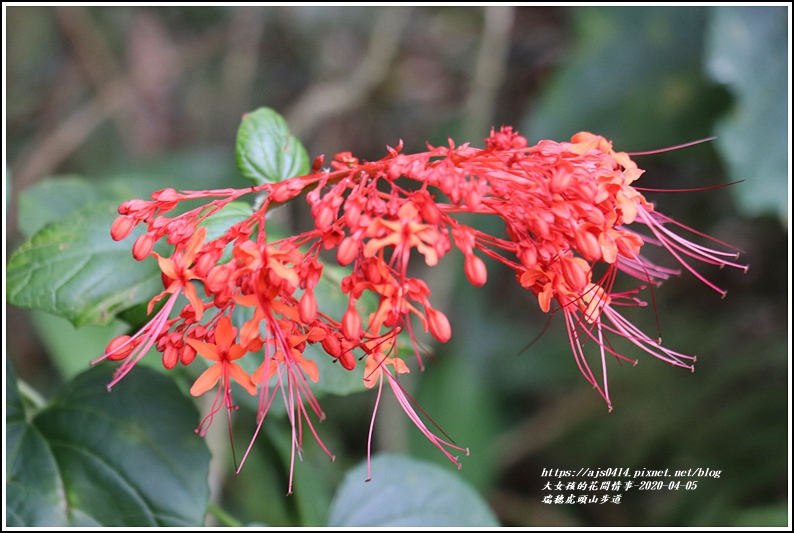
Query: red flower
x,y
568,209
224,351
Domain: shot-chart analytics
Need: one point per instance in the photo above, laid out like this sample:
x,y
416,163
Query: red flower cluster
x,y
566,207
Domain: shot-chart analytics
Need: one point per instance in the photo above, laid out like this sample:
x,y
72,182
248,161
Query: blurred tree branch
x,y
329,98
489,72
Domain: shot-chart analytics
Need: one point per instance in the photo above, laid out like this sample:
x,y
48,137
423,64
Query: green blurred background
x,y
155,95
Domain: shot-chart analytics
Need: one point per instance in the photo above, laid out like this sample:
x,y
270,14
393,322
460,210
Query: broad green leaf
x,y
127,458
746,51
266,152
406,492
34,491
54,198
57,196
72,268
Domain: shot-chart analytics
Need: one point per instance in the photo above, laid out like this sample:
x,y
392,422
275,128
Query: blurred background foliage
x,y
150,97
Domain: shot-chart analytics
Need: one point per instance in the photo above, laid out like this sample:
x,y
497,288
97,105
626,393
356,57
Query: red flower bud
x,y
331,345
439,325
121,228
307,307
475,270
347,251
317,164
347,360
170,357
187,354
116,352
351,324
575,276
143,246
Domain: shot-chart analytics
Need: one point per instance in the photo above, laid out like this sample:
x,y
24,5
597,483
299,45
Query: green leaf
x,y
266,152
405,492
34,494
73,269
92,458
52,199
746,51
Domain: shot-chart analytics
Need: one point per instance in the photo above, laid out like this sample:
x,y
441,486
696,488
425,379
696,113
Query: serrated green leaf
x,y
39,502
746,51
266,152
54,198
92,458
73,269
406,492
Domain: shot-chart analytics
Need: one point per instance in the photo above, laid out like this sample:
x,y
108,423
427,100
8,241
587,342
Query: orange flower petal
x,y
167,266
224,333
240,376
190,294
194,246
205,349
207,380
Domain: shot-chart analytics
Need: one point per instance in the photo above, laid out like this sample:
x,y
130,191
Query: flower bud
x,y
121,228
351,324
187,354
143,246
475,270
170,356
347,360
218,279
331,345
587,245
286,190
574,273
438,324
307,307
204,264
119,348
347,251
317,164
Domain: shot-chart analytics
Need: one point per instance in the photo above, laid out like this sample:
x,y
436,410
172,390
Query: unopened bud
x,y
170,356
574,273
318,163
331,345
347,251
143,246
286,190
121,228
187,354
307,307
347,360
351,324
119,348
475,270
438,324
